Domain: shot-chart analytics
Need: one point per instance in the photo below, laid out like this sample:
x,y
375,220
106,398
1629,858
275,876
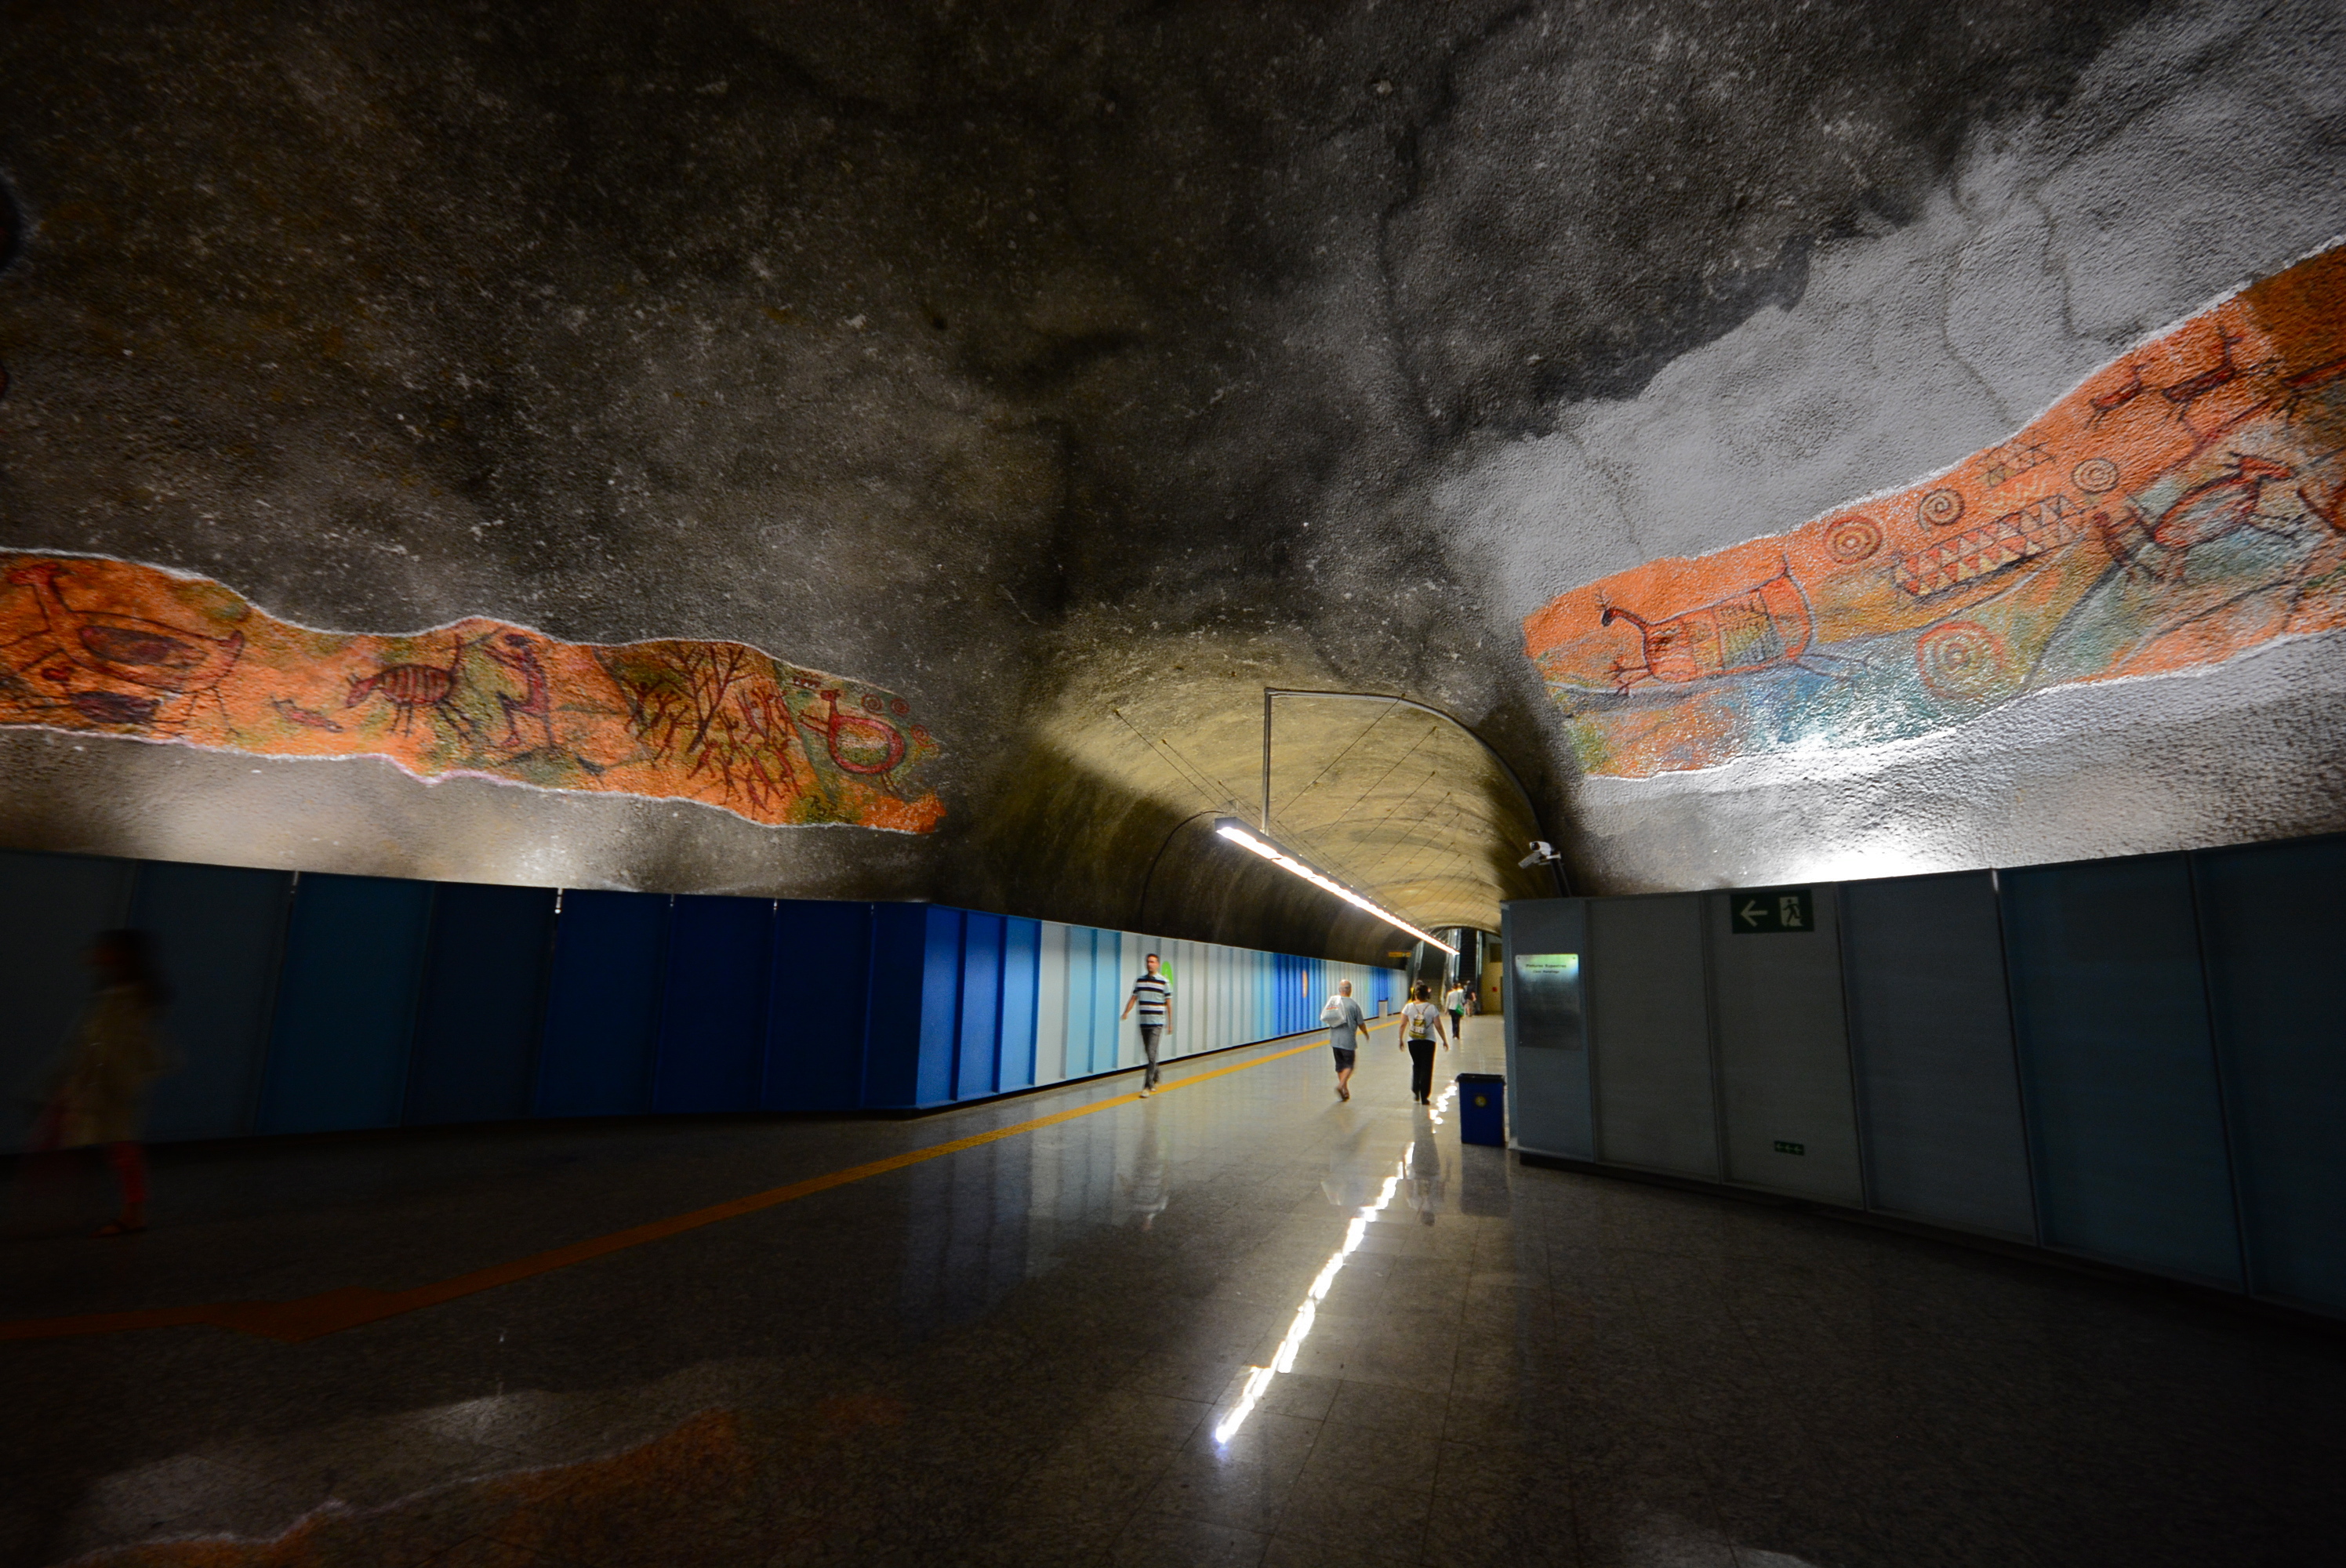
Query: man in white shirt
x,y
1454,1003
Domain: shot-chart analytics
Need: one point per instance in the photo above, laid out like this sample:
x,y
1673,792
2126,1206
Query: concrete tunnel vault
x,y
1055,385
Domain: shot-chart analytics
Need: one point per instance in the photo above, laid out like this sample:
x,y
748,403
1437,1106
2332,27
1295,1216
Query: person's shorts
x,y
1343,1058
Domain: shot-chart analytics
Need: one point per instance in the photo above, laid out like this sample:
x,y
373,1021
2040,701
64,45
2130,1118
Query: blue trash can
x,y
1483,1109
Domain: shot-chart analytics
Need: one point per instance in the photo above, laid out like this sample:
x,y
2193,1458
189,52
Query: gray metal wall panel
x,y
2272,927
1649,1034
1938,1093
2117,1068
1547,1057
1783,1055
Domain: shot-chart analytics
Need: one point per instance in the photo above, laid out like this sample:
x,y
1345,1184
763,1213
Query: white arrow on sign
x,y
1752,912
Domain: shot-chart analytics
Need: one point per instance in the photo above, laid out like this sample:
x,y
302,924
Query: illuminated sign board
x,y
1547,1002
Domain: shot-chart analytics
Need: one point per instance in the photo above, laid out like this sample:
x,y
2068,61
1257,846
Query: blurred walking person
x,y
1421,1030
1154,997
1344,1019
1455,1004
97,1097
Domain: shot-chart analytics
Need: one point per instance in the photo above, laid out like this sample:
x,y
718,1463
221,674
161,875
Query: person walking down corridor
x,y
99,1096
1154,997
1345,1021
1421,1030
1455,1004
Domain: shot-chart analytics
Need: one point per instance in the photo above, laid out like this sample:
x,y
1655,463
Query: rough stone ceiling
x,y
1073,372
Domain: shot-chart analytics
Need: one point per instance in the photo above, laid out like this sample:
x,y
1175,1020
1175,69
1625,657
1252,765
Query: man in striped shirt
x,y
1154,997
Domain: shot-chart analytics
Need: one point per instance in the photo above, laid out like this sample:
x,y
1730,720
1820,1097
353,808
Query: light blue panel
x,y
603,1004
2117,1069
217,931
1930,1029
1051,1004
1022,952
979,1042
50,908
1545,1016
346,1000
2273,925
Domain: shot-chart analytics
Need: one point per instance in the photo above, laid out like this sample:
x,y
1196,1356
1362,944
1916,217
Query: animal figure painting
x,y
93,645
2183,505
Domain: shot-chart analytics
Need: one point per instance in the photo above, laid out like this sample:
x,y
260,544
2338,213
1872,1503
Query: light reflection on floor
x,y
1258,1380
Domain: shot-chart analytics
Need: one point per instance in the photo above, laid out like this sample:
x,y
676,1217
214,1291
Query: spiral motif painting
x,y
1853,539
1941,507
2095,475
2185,503
1962,661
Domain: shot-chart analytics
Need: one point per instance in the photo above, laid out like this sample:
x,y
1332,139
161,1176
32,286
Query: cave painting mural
x,y
2185,505
95,644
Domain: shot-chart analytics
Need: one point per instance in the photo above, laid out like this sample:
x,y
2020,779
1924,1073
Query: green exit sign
x,y
1771,910
1784,1148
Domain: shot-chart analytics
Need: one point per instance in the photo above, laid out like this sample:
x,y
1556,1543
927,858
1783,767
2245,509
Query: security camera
x,y
1543,852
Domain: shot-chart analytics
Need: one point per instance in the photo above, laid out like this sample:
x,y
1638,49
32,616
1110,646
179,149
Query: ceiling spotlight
x,y
1246,837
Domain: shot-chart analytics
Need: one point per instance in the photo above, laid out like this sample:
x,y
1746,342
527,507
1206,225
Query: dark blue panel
x,y
815,1017
2117,1072
2275,931
338,1046
603,1004
974,1072
1930,1029
50,906
483,988
218,932
915,988
712,1043
1022,968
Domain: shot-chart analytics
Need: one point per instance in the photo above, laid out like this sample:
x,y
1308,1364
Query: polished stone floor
x,y
1235,1323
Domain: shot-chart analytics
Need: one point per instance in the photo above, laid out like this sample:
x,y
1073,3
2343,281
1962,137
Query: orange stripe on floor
x,y
331,1311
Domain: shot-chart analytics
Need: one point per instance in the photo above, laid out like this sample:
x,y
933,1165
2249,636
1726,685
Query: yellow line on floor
x,y
331,1311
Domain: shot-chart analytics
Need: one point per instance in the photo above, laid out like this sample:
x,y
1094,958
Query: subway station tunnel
x,y
653,609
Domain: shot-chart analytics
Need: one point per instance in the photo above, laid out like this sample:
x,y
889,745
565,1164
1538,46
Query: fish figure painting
x,y
95,645
2185,505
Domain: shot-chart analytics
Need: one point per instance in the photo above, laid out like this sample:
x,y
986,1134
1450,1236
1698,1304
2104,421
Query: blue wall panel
x,y
1547,1037
476,1030
1022,948
712,1038
217,931
346,999
915,996
50,906
2274,931
603,1004
976,1073
817,995
2117,1070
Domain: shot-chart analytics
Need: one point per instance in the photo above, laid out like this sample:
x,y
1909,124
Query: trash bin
x,y
1483,1109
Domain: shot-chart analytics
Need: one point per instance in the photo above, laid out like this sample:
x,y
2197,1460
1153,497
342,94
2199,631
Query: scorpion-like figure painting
x,y
93,644
2183,505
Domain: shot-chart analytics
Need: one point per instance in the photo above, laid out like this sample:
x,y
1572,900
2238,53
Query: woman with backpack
x,y
1421,1030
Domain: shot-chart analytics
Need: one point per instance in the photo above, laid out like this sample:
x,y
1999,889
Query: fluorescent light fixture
x,y
1244,838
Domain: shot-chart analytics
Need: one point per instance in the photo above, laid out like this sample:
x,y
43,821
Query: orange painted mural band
x,y
2185,505
331,1311
95,646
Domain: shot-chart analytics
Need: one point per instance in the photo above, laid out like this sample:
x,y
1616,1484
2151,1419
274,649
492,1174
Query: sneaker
x,y
1146,1091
